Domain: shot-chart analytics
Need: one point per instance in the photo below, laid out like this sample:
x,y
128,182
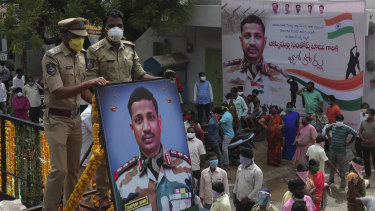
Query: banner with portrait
x,y
146,146
283,45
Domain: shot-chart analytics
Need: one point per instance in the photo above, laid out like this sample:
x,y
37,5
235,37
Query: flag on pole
x,y
339,25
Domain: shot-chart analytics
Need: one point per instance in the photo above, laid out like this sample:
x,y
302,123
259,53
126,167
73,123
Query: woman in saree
x,y
318,178
305,137
273,123
291,121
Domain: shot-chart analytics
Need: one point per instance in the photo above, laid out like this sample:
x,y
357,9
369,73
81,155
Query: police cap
x,y
74,25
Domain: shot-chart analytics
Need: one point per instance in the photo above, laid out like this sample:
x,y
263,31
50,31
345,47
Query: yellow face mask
x,y
76,44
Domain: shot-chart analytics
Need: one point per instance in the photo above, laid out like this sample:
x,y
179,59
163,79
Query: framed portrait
x,y
146,149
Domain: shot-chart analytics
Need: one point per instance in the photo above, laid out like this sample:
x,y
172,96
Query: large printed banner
x,y
277,47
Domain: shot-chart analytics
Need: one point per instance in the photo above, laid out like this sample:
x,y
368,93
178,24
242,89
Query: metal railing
x,y
27,179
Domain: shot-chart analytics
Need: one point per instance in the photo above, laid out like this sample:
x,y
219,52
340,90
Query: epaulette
x,y
125,167
274,67
232,62
97,45
181,155
128,43
83,51
54,51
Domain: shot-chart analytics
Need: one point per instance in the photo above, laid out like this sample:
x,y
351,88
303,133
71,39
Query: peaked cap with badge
x,y
74,25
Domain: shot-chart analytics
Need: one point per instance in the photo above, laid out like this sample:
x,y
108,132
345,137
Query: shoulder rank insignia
x,y
97,45
51,69
53,51
274,67
232,62
125,167
128,43
181,155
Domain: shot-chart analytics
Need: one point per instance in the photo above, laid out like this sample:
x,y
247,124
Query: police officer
x,y
116,60
155,179
253,72
63,72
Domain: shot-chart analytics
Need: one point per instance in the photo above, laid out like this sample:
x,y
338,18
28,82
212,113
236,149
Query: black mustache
x,y
252,48
148,135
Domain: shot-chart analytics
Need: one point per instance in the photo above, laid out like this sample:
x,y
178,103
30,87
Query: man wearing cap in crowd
x,y
63,69
264,198
116,60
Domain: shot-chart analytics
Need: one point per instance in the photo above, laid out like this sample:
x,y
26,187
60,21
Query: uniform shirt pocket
x,y
67,77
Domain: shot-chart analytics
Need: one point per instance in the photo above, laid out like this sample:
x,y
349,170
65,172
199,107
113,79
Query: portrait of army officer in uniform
x,y
157,178
253,71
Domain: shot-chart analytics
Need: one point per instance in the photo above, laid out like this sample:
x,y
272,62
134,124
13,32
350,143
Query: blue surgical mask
x,y
329,103
214,163
31,83
245,161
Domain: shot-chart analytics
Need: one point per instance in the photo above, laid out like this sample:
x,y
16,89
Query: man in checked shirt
x,y
249,180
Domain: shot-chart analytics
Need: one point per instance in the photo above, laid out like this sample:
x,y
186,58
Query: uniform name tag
x,y
110,60
69,67
137,204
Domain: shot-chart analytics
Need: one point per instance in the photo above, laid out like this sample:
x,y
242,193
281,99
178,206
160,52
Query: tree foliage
x,y
31,23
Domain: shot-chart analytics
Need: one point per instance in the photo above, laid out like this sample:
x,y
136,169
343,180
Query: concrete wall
x,y
200,37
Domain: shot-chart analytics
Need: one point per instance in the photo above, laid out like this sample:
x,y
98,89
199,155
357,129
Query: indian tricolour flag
x,y
339,25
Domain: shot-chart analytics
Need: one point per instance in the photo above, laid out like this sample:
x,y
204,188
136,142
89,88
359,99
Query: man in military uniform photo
x,y
157,178
63,73
114,59
253,72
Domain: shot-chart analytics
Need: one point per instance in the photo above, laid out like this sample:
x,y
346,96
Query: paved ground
x,y
276,179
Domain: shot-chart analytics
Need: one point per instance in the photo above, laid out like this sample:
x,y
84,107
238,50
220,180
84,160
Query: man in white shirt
x,y
248,182
197,152
19,79
31,91
317,152
87,140
209,176
3,97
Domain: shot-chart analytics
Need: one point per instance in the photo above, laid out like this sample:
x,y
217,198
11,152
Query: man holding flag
x,y
353,62
338,26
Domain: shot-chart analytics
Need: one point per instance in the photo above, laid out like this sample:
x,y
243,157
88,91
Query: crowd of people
x,y
309,141
18,97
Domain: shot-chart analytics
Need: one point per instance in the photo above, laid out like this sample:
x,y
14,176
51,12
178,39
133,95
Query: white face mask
x,y
115,34
190,135
19,94
203,78
339,124
240,93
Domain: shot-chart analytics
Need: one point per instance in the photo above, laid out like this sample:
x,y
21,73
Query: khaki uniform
x,y
62,68
139,189
115,66
265,78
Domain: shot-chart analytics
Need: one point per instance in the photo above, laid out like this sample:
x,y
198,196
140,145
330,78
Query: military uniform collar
x,y
65,50
165,160
245,64
108,45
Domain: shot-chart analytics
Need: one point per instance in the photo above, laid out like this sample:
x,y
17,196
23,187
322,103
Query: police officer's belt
x,y
61,112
